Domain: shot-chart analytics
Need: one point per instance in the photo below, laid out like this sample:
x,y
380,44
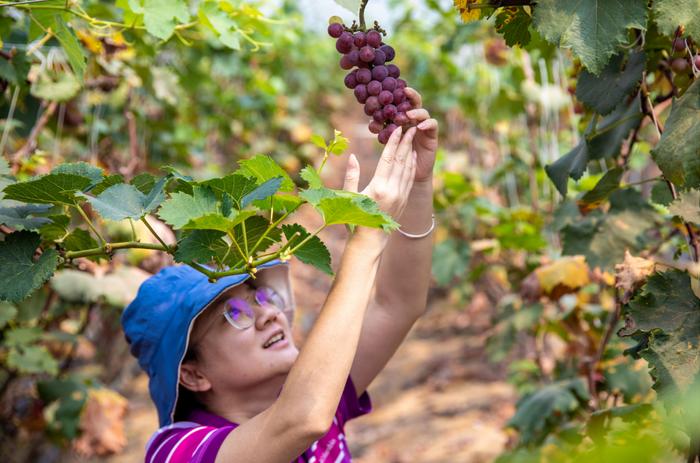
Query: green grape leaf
x,y
343,207
7,72
311,176
74,51
593,29
670,14
78,240
514,25
604,142
450,261
265,190
678,151
687,206
21,337
255,227
539,412
313,252
280,203
319,141
223,25
32,360
604,92
20,216
19,273
48,189
263,168
660,194
666,315
95,174
7,312
603,238
237,186
56,229
218,222
201,246
339,143
119,202
601,191
107,182
180,208
161,16
144,182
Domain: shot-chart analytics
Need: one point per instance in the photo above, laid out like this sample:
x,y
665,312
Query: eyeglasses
x,y
239,311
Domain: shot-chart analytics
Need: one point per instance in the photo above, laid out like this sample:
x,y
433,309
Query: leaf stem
x,y
269,228
303,242
153,232
109,247
89,223
233,239
362,14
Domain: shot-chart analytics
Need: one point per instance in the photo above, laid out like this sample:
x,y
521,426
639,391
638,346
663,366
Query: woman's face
x,y
234,359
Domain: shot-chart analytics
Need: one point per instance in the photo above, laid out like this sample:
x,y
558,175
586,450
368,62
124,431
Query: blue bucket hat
x,y
158,322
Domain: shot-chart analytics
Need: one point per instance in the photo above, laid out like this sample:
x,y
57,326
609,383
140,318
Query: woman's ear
x,y
192,378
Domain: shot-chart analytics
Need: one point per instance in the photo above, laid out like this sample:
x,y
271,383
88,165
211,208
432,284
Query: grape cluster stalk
x,y
372,77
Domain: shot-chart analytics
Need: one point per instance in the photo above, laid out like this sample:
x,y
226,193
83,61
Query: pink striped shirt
x,y
198,439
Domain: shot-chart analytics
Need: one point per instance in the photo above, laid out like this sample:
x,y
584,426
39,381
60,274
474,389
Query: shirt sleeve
x,y
194,444
351,406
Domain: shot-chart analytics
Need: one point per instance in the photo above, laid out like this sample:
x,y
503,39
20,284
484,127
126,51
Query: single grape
x,y
345,62
360,39
679,65
364,76
361,93
401,119
388,52
374,39
391,128
344,42
375,127
371,105
379,116
384,136
367,54
374,87
679,44
393,71
380,73
351,80
389,84
399,96
697,61
335,29
401,83
354,57
385,97
404,107
379,58
389,111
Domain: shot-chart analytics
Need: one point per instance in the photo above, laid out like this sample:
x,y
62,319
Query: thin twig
x,y
31,142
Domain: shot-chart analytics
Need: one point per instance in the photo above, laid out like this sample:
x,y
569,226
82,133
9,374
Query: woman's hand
x,y
393,178
426,141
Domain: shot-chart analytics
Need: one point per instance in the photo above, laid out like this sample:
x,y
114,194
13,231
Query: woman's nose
x,y
266,313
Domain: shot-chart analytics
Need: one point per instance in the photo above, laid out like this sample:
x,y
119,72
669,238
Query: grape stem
x,y
362,14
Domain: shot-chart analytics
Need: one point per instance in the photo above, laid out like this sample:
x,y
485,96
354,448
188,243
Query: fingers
x,y
386,162
352,175
429,127
418,115
414,97
409,173
403,159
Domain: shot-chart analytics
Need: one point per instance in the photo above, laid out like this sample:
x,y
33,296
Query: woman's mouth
x,y
276,340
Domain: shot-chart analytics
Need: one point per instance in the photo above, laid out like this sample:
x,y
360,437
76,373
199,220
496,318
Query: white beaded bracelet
x,y
422,235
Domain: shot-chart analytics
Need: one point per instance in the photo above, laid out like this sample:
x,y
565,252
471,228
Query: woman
x,y
227,380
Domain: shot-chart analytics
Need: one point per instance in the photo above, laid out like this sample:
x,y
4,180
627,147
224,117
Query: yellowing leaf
x,y
631,274
570,271
102,423
466,12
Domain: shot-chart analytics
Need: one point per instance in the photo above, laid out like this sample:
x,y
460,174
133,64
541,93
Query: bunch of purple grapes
x,y
376,83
